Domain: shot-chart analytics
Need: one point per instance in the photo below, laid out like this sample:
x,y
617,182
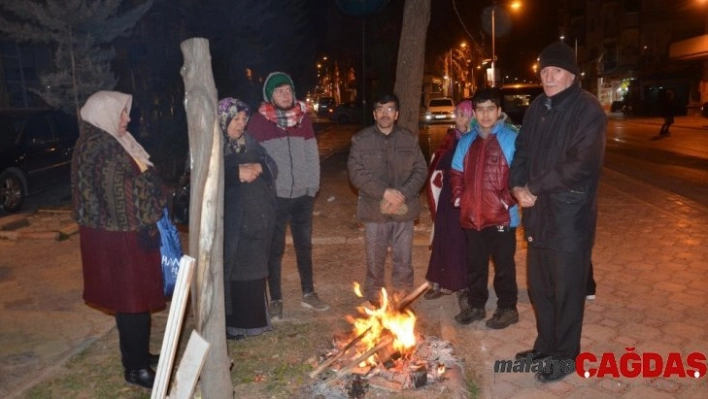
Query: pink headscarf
x,y
465,107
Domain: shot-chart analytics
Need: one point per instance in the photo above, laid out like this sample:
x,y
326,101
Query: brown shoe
x,y
503,318
470,315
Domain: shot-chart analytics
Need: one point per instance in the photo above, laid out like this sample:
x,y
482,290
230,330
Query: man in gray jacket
x,y
387,166
284,129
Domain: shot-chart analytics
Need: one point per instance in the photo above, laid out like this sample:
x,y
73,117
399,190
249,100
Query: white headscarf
x,y
103,110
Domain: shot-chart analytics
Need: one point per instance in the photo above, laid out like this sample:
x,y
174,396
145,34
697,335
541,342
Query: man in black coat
x,y
554,176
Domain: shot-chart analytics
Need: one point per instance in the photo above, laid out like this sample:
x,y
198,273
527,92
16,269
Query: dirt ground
x,y
277,364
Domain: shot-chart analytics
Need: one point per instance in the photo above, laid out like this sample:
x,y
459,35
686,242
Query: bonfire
x,y
384,349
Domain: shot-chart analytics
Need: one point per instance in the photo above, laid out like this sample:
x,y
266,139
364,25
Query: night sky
x,y
531,28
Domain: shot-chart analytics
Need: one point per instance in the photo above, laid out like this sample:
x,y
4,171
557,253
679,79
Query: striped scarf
x,y
283,117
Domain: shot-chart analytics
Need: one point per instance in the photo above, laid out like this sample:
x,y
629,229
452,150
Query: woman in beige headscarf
x,y
118,199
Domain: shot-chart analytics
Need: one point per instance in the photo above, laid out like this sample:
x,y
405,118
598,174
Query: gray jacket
x,y
378,162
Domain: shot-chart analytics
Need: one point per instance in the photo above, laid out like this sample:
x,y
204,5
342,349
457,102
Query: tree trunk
x,y
206,214
411,59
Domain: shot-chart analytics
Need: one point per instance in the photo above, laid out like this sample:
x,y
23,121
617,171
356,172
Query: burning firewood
x,y
388,340
339,354
402,305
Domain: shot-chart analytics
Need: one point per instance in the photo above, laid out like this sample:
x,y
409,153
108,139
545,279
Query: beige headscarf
x,y
103,110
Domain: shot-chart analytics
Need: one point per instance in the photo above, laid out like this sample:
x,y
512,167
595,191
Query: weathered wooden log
x,y
206,211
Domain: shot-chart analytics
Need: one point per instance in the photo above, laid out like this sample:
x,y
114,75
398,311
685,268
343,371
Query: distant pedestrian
x,y
387,166
447,268
488,212
249,221
118,199
554,176
285,130
667,112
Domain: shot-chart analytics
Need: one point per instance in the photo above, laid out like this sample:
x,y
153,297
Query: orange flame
x,y
401,325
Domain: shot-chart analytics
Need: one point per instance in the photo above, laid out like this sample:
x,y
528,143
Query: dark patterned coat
x,y
117,207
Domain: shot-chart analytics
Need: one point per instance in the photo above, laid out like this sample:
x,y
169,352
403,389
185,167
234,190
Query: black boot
x,y
134,340
143,377
463,300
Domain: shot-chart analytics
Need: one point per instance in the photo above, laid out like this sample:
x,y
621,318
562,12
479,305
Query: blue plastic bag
x,y
171,251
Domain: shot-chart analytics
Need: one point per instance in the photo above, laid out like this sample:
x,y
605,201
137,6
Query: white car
x,y
440,110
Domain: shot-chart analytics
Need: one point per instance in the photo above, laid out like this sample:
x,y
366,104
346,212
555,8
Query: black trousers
x,y
499,244
591,285
134,337
297,212
557,287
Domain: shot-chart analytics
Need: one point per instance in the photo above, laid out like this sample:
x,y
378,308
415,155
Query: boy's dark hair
x,y
387,98
492,94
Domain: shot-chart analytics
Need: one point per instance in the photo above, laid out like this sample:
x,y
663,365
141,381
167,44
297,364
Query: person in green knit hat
x,y
284,129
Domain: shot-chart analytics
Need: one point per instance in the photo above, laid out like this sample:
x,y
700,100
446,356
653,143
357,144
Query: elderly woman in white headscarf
x,y
118,198
249,222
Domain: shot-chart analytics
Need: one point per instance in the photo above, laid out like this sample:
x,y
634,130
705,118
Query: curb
x,y
17,227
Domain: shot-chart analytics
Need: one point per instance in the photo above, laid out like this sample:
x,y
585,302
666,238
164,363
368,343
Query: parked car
x,y
440,110
35,153
351,112
516,99
325,106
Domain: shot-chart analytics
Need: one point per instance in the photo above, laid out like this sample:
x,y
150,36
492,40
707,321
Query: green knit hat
x,y
274,80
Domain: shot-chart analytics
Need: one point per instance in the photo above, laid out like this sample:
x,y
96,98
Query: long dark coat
x,y
249,215
559,155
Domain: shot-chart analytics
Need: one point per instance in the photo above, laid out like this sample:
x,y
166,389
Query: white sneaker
x,y
590,297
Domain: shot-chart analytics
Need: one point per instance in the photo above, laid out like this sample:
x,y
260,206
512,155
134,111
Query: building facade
x,y
624,48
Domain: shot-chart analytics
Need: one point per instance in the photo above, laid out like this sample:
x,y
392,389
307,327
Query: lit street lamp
x,y
562,37
494,49
514,6
456,64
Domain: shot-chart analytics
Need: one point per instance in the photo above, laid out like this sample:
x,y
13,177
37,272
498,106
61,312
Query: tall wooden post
x,y
206,214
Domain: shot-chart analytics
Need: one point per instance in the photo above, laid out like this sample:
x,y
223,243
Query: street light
x,y
562,38
514,6
456,63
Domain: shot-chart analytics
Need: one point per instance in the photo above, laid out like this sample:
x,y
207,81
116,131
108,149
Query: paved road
x,y
678,163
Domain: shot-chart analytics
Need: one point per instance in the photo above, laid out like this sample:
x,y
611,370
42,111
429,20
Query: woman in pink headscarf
x,y
447,269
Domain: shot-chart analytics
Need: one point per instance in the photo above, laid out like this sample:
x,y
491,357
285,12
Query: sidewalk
x,y
690,121
651,266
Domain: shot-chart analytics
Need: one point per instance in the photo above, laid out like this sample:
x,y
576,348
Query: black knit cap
x,y
559,54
